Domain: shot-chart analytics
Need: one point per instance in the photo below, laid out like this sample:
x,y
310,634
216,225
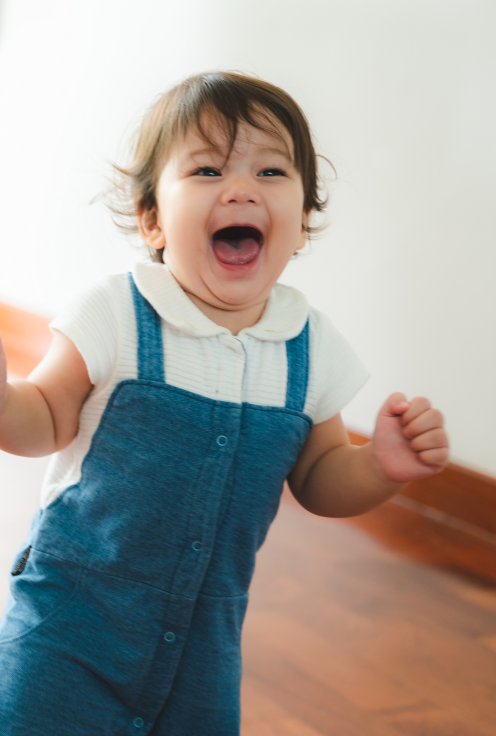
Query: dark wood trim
x,y
458,492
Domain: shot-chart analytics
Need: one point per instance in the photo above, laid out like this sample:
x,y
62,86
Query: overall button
x,y
197,546
169,637
138,722
221,440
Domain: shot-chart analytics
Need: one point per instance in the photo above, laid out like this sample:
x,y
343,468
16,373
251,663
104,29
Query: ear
x,y
150,229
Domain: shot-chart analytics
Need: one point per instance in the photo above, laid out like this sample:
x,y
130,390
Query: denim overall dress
x,y
128,598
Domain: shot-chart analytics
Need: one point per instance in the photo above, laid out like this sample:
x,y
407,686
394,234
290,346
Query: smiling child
x,y
177,400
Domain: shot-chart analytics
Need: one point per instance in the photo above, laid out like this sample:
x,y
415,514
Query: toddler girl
x,y
177,400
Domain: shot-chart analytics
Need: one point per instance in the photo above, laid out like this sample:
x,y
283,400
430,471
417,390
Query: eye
x,y
272,172
207,171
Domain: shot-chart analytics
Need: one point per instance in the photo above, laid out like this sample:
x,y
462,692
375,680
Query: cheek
x,y
288,225
186,216
288,208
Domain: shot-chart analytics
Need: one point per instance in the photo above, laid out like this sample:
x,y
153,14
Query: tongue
x,y
238,252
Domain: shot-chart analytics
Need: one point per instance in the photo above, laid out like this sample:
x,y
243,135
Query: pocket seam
x,y
51,615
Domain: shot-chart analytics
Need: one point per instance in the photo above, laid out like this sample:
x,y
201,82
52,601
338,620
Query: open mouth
x,y
237,245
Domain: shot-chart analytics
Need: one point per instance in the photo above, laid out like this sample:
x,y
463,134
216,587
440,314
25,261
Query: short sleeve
x,y
91,322
336,372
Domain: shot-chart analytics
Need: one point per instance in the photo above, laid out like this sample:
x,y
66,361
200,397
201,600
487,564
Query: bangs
x,y
214,102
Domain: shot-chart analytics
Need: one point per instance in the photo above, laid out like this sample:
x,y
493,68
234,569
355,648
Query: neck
x,y
234,320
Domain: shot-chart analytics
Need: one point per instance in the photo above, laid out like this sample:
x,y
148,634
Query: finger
x,y
429,419
394,406
431,440
439,457
418,405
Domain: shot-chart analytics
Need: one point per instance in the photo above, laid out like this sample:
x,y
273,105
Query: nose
x,y
240,190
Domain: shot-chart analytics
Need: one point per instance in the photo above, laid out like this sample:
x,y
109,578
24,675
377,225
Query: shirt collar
x,y
284,316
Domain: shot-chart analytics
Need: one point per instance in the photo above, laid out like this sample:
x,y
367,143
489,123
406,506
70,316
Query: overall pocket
x,y
41,585
19,566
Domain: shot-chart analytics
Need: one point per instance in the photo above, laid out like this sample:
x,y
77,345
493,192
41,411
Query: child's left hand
x,y
409,441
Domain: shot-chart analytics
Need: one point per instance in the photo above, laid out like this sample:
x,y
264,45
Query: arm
x,y
40,415
334,478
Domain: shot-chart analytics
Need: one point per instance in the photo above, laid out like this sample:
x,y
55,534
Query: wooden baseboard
x,y
457,493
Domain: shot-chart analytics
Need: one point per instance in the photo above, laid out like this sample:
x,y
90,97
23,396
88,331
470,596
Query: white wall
x,y
400,94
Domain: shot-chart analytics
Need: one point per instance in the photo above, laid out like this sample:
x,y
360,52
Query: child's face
x,y
257,194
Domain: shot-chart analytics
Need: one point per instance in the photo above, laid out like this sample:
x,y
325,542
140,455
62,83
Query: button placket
x,y
231,368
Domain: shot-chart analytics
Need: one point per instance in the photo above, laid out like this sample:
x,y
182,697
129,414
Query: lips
x,y
237,245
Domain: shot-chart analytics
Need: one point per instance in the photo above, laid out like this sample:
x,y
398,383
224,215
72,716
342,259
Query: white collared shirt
x,y
199,356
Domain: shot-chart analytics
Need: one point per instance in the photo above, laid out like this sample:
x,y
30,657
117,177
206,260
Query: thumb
x,y
394,406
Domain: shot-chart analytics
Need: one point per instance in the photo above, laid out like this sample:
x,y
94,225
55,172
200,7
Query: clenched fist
x,y
409,440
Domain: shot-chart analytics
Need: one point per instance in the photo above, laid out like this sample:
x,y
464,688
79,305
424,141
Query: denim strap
x,y
298,364
150,347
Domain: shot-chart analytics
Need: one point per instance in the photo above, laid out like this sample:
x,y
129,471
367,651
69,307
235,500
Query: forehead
x,y
214,138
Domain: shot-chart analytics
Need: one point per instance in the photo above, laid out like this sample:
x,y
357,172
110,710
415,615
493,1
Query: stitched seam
x,y
139,582
284,409
205,399
223,597
51,615
111,575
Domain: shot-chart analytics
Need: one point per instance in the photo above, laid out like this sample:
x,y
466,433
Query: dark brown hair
x,y
227,99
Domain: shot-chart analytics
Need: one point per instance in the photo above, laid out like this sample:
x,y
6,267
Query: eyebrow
x,y
207,149
279,151
269,149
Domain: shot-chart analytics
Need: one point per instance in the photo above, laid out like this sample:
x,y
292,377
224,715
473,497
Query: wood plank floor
x,y
383,625
380,625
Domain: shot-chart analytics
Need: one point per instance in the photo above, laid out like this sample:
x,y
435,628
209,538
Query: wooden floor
x,y
383,625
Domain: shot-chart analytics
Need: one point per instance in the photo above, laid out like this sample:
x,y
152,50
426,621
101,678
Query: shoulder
x,y
108,291
336,371
328,345
104,294
93,321
323,331
320,324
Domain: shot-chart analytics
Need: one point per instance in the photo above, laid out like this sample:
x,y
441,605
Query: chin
x,y
237,296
